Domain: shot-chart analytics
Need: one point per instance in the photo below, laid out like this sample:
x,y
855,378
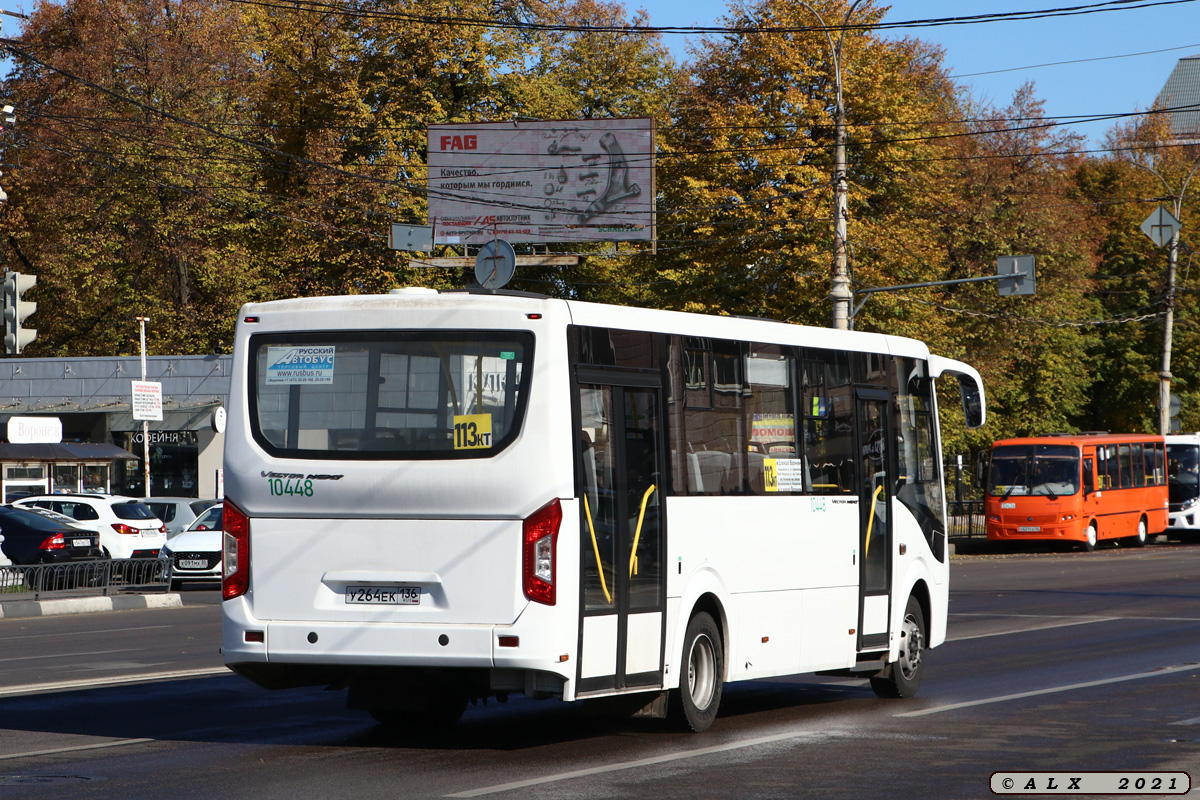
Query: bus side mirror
x,y
970,386
972,401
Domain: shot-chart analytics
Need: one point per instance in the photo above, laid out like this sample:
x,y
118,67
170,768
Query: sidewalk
x,y
14,609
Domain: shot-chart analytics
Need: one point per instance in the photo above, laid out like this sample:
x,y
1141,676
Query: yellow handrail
x,y
871,521
637,534
596,549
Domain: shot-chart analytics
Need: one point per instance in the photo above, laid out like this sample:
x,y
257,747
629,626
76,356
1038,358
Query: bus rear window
x,y
388,395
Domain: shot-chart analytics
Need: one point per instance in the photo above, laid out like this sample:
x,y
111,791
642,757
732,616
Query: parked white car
x,y
177,513
195,554
127,528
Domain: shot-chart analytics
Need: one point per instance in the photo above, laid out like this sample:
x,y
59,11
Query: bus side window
x,y
1089,483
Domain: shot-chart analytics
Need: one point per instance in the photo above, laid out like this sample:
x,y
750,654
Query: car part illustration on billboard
x,y
619,188
576,180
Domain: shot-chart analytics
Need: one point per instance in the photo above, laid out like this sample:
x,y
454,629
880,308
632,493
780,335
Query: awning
x,y
64,451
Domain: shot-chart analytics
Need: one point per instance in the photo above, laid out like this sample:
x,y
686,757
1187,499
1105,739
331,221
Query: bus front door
x,y
623,593
875,534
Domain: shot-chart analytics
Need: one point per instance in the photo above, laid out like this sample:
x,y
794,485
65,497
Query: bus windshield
x,y
1183,461
393,395
1041,469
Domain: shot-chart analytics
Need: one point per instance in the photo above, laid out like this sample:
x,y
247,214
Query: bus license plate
x,y
1029,529
384,595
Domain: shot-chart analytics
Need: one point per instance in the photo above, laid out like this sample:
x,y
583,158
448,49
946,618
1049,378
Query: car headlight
x,y
1189,503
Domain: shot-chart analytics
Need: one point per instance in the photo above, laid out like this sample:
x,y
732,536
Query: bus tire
x,y
902,677
703,675
1139,538
1092,537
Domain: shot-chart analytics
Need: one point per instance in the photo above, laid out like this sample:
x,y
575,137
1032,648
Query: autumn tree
x,y
753,197
132,188
1145,166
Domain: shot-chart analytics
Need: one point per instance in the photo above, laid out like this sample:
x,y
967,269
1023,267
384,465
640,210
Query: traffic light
x,y
16,311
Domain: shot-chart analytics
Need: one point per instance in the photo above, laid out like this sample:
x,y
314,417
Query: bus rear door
x,y
622,530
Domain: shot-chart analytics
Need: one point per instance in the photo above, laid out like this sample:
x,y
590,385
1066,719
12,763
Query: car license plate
x,y
150,532
193,563
1029,529
384,595
81,542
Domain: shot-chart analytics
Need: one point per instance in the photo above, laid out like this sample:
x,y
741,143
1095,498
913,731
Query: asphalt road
x,y
1056,662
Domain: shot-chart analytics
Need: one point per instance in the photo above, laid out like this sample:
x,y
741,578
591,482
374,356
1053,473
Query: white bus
x,y
1183,486
433,497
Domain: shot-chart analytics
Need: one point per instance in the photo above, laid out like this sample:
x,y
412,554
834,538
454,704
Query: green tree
x,y
1145,167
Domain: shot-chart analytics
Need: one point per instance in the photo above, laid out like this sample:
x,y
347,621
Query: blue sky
x,y
1121,73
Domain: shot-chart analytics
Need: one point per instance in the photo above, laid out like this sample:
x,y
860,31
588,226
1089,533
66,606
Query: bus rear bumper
x,y
286,654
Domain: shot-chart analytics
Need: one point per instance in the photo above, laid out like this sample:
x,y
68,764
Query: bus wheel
x,y
1138,539
704,673
1089,544
902,677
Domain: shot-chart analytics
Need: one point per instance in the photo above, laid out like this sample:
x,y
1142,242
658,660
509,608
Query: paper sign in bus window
x,y
783,474
472,431
292,365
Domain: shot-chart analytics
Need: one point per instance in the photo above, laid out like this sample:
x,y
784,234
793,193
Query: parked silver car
x,y
177,513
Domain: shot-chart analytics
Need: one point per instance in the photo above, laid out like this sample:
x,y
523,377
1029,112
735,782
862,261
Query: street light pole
x,y
840,294
145,423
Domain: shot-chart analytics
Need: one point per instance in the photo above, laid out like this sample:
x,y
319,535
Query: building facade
x,y
92,398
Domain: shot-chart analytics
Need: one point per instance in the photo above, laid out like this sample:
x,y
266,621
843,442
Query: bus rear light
x,y
510,641
235,577
540,543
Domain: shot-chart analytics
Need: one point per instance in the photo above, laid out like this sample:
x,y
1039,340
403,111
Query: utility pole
x,y
840,294
1164,375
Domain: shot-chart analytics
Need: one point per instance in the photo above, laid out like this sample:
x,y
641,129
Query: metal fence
x,y
966,520
83,578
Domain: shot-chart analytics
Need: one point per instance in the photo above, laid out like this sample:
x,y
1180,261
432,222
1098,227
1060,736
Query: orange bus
x,y
1080,488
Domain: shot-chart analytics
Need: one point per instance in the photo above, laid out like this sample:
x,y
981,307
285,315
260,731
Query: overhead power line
x,y
313,6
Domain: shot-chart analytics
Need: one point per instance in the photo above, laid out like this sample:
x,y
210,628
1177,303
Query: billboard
x,y
557,181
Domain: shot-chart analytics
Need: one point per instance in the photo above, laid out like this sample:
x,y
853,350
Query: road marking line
x,y
1073,616
623,765
116,680
77,748
1054,690
78,633
1047,627
60,655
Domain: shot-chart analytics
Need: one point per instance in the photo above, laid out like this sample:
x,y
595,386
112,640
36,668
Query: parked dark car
x,y
31,538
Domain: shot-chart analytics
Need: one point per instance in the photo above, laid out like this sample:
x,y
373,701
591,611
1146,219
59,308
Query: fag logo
x,y
457,142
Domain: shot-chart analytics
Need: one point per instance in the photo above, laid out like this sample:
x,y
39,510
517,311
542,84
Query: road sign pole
x,y
1163,229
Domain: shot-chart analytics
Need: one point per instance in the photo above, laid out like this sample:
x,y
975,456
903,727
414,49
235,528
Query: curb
x,y
87,605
